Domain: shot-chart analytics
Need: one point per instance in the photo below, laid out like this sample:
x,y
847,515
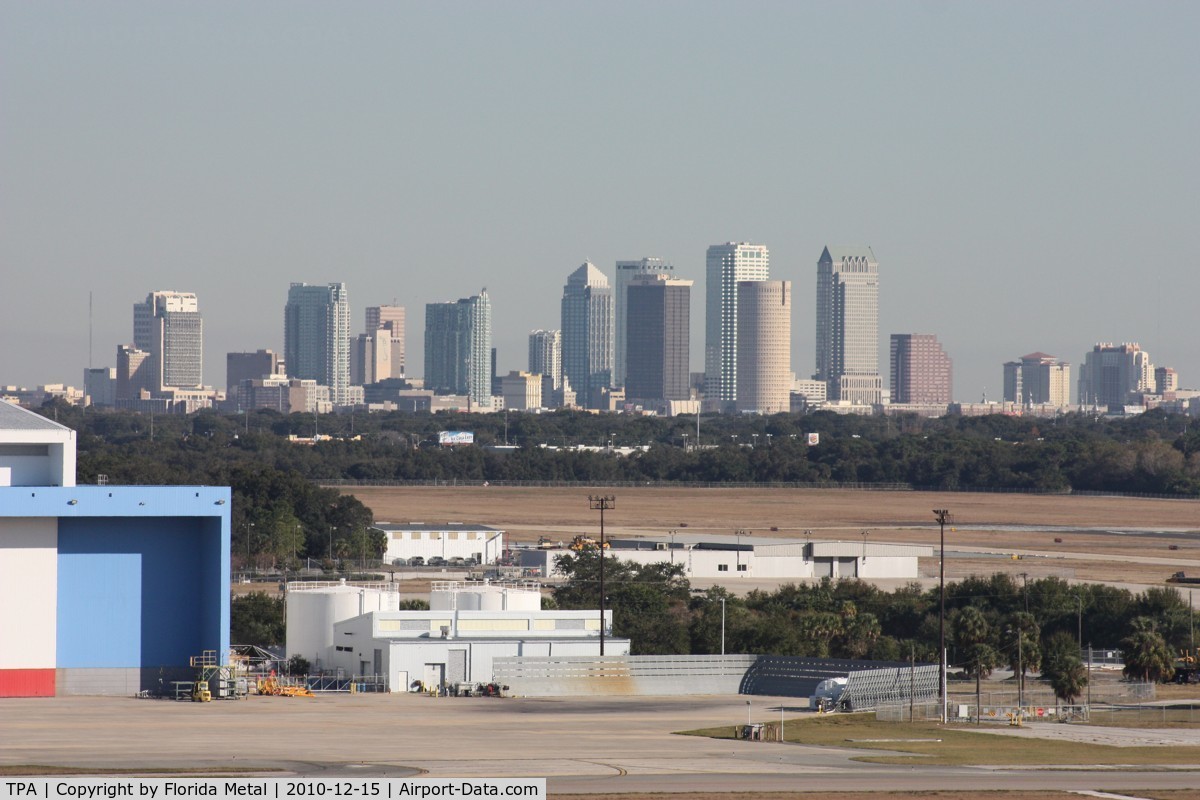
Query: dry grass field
x,y
993,527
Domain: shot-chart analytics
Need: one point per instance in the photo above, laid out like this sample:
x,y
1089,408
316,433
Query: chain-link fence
x,y
1037,701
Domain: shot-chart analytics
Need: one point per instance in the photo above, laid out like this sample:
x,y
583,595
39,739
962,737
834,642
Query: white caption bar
x,y
41,788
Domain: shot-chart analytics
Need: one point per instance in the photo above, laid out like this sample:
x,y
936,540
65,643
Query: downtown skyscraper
x,y
587,333
764,377
921,370
727,265
848,325
545,357
458,348
658,338
627,271
316,336
168,330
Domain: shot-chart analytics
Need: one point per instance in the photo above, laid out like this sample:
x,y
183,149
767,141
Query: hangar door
x,y
847,568
456,666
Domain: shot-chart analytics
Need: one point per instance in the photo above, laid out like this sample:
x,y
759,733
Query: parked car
x,y
416,561
436,561
458,561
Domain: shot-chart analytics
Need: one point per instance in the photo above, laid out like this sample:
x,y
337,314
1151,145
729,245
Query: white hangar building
x,y
718,557
447,539
358,631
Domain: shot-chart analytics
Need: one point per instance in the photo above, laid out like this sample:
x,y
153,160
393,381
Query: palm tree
x,y
1147,657
1024,654
1063,667
972,636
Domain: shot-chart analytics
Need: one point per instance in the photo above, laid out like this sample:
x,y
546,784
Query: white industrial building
x,y
358,630
717,557
406,540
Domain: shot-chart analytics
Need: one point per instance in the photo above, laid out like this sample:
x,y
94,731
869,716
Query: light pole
x,y
332,528
722,626
1020,674
601,503
942,515
739,533
754,436
769,435
865,534
249,527
673,532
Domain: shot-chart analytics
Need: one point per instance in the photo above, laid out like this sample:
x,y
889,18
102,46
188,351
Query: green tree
x,y
1022,645
972,638
1147,656
1062,666
257,618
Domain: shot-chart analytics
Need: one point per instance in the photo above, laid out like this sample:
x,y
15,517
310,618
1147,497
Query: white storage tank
x,y
451,596
313,609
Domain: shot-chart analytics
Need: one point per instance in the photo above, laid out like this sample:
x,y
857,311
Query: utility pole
x,y
602,503
1020,676
722,625
740,533
942,515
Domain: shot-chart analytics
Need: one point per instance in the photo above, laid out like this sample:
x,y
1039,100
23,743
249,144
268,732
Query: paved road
x,y
593,745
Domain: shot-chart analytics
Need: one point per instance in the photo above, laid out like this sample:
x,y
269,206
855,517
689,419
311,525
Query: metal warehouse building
x,y
444,540
103,589
705,556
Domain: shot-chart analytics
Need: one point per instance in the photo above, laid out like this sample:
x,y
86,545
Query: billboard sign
x,y
454,438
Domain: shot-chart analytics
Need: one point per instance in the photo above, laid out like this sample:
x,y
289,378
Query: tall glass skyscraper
x,y
848,325
626,272
458,348
587,332
727,265
658,336
316,335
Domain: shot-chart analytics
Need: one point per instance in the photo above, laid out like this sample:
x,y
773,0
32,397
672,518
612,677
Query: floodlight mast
x,y
942,515
601,503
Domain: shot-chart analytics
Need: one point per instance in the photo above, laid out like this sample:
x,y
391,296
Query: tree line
x,y
1039,626
1153,453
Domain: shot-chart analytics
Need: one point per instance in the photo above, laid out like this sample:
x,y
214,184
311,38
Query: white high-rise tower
x,y
727,265
168,327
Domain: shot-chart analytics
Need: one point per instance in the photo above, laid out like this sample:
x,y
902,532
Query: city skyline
x,y
1008,178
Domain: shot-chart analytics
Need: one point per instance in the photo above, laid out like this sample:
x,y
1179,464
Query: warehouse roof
x,y
434,526
15,418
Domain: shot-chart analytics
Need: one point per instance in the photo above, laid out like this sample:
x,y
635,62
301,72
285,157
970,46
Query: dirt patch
x,y
981,522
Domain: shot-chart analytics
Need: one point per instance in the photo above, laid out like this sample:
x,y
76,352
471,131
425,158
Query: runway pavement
x,y
585,745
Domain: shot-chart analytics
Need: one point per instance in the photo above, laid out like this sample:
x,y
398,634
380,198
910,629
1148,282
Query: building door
x,y
457,663
435,674
401,684
847,568
378,662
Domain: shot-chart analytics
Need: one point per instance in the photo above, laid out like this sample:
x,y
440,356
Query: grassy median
x,y
933,744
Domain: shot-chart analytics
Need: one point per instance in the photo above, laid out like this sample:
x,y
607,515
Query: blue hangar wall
x,y
140,584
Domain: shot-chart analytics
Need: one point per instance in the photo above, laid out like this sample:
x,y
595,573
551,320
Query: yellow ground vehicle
x,y
586,543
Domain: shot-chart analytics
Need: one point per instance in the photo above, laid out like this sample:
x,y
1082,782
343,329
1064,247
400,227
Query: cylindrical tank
x,y
485,598
312,613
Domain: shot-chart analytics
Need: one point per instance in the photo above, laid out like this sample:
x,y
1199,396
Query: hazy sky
x,y
1026,173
